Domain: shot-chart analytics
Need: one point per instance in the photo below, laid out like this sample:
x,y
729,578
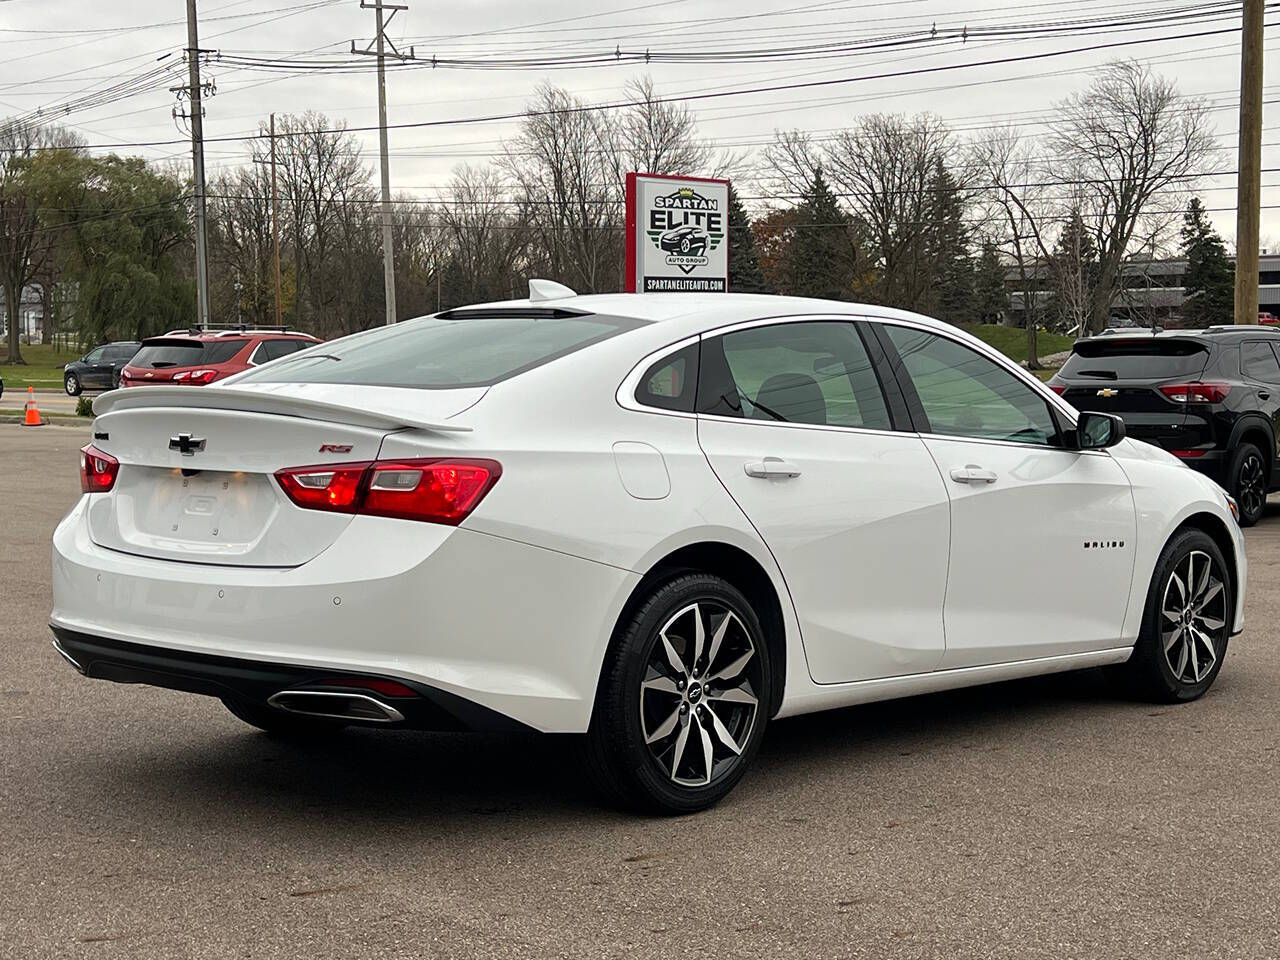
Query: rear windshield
x,y
1149,359
435,354
185,353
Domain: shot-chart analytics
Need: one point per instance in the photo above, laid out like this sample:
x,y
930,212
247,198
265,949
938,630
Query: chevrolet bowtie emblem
x,y
186,444
1107,392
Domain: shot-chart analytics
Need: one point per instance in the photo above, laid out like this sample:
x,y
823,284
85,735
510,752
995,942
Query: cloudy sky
x,y
56,51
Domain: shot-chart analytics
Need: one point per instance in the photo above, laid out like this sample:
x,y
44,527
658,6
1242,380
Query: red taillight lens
x,y
1188,454
195,376
1196,392
98,470
388,688
1058,388
335,488
434,491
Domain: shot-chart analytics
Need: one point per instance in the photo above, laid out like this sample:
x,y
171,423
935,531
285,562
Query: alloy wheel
x,y
698,700
1252,485
1193,614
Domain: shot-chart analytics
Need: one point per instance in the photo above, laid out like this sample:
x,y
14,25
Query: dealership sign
x,y
677,234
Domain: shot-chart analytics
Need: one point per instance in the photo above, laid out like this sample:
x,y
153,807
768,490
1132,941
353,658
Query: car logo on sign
x,y
186,444
1107,392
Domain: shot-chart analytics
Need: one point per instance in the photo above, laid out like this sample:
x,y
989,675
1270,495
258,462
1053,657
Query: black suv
x,y
1210,397
99,369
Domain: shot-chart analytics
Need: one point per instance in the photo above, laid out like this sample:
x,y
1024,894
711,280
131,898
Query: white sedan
x,y
661,521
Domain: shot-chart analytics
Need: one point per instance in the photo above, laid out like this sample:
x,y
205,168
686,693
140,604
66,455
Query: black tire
x,y
1150,674
278,723
71,383
1247,482
655,773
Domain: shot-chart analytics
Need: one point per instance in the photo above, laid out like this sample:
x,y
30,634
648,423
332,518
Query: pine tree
x,y
745,275
948,254
822,258
1209,283
990,294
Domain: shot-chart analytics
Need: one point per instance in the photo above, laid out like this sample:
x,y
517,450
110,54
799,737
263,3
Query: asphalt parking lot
x,y
1042,818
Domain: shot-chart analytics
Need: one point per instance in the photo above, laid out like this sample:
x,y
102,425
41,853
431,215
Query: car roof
x,y
714,308
206,336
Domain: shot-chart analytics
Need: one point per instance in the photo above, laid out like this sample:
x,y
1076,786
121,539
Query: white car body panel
x,y
513,610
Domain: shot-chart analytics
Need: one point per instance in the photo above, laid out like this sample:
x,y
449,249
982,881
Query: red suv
x,y
201,357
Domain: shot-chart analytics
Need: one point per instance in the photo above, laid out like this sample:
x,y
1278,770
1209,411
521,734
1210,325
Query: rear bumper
x,y
257,681
515,629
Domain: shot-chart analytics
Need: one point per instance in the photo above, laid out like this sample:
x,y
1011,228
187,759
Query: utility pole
x,y
197,163
275,219
377,48
1249,167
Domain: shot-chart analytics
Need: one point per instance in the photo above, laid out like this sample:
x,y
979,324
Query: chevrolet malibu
x,y
660,521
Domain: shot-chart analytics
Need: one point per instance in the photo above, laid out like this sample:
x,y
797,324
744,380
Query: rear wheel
x,y
1247,481
280,723
72,385
683,700
1186,624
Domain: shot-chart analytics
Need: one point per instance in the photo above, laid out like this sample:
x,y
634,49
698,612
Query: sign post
x,y
677,234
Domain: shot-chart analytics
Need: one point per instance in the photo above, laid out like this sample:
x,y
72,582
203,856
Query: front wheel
x,y
72,385
683,700
1186,624
1247,481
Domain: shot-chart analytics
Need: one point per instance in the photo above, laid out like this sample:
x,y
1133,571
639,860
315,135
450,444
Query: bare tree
x,y
486,237
658,137
1018,217
1130,137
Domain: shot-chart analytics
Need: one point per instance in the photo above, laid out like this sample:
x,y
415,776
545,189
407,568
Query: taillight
x,y
1196,392
98,470
434,491
1058,388
195,376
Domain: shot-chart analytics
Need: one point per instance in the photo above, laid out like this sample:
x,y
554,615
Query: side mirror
x,y
1097,431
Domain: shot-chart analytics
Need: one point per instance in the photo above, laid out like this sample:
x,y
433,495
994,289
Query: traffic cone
x,y
32,418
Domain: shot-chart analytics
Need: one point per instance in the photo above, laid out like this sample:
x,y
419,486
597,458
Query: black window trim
x,y
626,393
1066,422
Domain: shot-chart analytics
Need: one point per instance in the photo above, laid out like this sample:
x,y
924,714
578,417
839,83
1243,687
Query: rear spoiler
x,y
253,401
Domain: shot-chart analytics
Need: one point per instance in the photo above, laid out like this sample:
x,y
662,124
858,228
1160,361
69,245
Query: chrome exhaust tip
x,y
68,657
334,706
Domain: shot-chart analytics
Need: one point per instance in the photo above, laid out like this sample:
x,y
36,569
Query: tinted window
x,y
815,373
1145,359
121,351
95,355
964,394
1259,362
671,383
274,349
186,353
437,354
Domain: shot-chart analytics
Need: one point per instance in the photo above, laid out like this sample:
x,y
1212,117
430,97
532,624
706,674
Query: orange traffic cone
x,y
32,418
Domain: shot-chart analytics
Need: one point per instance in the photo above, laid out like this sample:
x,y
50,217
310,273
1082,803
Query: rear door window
x,y
442,353
814,372
1146,359
1258,361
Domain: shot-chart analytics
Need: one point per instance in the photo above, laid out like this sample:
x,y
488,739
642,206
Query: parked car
x,y
686,240
1210,397
197,359
1268,319
99,369
657,520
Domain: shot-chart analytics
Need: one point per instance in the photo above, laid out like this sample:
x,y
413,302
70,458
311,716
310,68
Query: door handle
x,y
1264,395
771,468
972,473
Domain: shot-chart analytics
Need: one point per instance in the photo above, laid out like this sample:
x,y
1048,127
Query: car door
x,y
1258,365
95,369
796,423
1042,536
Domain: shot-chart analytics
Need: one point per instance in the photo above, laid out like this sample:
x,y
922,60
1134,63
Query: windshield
x,y
432,353
185,353
1148,359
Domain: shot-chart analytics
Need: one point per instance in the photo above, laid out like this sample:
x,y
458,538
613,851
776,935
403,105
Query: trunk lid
x,y
219,502
1123,376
